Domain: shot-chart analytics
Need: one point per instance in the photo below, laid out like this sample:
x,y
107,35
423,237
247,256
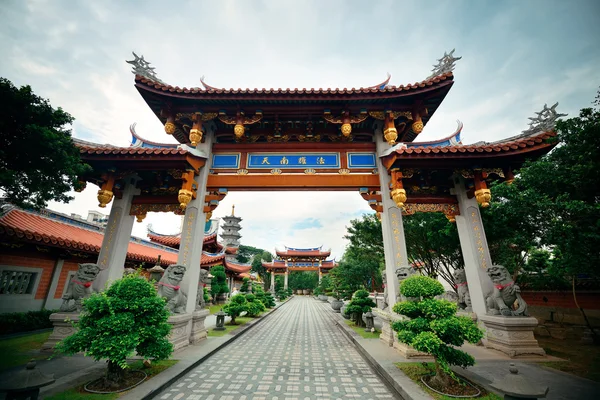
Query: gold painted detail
x,y
451,217
275,171
208,216
483,197
137,209
465,173
344,171
475,223
104,197
184,197
418,189
242,172
390,134
399,196
140,217
396,231
309,171
238,130
408,172
304,138
175,173
195,136
80,186
417,127
346,129
412,208
497,171
169,128
395,114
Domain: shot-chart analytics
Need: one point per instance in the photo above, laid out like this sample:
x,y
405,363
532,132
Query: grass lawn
x,y
79,393
580,359
229,327
416,370
18,351
215,308
361,331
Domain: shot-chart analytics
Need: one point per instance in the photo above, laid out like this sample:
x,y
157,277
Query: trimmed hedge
x,y
25,321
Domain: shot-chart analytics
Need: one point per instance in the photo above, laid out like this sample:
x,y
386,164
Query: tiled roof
x,y
301,253
37,228
174,240
200,92
94,148
514,146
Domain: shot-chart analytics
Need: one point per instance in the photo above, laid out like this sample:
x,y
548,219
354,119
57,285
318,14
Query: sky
x,y
516,56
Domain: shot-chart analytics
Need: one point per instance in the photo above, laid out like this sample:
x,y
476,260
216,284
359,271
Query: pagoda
x,y
231,232
298,259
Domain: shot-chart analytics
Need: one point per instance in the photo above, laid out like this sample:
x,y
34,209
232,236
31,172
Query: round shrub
x,y
421,286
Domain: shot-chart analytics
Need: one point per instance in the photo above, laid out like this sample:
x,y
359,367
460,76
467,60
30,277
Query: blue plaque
x,y
221,161
361,160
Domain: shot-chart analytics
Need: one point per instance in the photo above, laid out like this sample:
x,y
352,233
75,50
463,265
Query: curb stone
x,y
155,386
397,380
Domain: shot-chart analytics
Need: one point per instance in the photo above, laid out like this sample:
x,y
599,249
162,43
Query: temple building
x,y
296,259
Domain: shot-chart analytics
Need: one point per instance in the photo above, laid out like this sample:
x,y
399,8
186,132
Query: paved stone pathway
x,y
297,353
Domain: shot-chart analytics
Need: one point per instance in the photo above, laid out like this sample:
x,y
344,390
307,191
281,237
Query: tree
x,y
360,303
340,287
257,266
38,160
236,305
246,253
244,287
434,328
254,306
432,243
218,284
299,280
129,318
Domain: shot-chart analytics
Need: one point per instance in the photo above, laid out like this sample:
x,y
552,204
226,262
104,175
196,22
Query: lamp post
x,y
220,321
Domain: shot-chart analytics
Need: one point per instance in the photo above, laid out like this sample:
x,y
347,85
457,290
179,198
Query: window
x,y
17,282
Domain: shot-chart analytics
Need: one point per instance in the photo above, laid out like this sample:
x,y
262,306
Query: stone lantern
x,y
220,321
157,271
26,383
370,321
515,386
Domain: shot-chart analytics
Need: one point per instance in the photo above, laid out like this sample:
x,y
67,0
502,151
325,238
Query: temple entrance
x,y
354,140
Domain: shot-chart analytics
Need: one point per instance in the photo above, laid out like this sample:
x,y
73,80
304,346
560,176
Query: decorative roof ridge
x,y
303,249
512,139
139,141
234,262
151,231
449,138
221,253
388,88
84,143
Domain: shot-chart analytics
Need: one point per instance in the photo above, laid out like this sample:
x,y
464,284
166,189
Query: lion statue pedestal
x,y
63,328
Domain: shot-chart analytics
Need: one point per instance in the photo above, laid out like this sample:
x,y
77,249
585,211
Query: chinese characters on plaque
x,y
269,160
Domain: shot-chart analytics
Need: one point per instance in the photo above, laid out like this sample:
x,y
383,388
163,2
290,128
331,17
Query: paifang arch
x,y
360,140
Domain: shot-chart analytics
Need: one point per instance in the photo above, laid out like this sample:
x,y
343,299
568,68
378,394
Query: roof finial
x,y
444,65
544,121
233,210
142,67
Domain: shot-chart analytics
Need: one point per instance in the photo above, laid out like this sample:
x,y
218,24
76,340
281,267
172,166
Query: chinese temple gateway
x,y
363,140
295,259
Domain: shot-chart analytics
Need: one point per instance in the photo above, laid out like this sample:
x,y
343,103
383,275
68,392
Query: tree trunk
x,y
114,374
358,319
441,379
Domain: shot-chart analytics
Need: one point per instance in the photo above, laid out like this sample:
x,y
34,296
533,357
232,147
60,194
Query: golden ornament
x,y
184,197
417,127
195,136
399,196
238,130
483,197
208,216
391,134
140,217
104,197
346,129
169,128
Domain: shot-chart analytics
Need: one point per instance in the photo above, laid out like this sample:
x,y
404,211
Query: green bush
x,y
433,326
25,321
127,319
360,303
244,287
269,301
236,305
254,306
206,295
218,283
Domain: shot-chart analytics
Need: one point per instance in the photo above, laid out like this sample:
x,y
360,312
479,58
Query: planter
x,y
343,311
337,305
221,298
305,292
322,297
298,291
478,392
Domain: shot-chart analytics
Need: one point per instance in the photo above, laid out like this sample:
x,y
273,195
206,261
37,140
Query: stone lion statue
x,y
506,293
168,287
80,287
402,273
462,288
202,281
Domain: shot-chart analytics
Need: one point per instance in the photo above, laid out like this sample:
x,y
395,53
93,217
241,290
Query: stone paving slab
x,y
295,354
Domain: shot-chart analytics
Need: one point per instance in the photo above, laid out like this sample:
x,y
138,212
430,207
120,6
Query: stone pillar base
x,y
390,337
511,335
199,331
63,328
180,330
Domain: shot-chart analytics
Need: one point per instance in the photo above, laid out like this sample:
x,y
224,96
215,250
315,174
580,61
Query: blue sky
x,y
517,55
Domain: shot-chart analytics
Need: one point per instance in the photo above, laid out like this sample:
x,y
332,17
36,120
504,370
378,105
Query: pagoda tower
x,y
231,233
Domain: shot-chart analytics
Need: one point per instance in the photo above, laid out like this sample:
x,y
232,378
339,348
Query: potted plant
x,y
337,284
360,303
434,328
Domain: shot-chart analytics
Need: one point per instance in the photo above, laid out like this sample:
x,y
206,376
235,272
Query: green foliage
x,y
258,257
419,286
25,321
236,305
38,160
364,258
129,318
433,326
244,287
432,241
360,303
205,294
18,350
254,306
218,283
303,280
278,283
245,254
268,301
339,285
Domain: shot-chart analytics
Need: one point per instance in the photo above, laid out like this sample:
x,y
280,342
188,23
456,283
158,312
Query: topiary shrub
x,y
269,301
218,283
360,303
236,305
206,295
254,306
245,283
128,318
434,328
